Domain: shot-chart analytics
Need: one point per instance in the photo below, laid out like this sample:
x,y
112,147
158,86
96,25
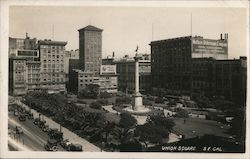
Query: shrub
x,y
103,101
95,105
159,100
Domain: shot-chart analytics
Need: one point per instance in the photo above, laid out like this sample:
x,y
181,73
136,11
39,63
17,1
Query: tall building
x,y
172,60
90,49
52,75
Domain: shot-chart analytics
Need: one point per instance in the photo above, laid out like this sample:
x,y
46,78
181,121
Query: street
x,y
67,134
33,137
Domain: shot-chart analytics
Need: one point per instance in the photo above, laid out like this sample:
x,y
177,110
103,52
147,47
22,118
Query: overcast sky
x,y
126,27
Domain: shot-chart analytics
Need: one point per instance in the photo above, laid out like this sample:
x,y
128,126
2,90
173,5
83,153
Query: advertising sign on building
x,y
217,49
108,69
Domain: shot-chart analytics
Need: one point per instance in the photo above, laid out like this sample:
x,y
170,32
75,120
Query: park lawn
x,y
199,127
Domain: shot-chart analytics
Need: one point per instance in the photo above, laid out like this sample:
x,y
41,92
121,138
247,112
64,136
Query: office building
x,y
172,60
90,49
52,75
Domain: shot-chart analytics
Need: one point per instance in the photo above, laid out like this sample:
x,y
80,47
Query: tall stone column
x,y
137,103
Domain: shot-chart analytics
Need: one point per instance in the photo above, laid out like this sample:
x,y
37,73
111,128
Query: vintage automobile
x,y
46,128
51,145
55,134
22,117
74,147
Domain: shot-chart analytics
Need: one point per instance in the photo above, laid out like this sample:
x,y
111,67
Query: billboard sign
x,y
209,48
108,69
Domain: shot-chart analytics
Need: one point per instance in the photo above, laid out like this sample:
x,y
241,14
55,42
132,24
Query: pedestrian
x,y
184,121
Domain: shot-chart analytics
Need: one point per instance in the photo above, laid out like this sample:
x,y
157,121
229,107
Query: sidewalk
x,y
67,134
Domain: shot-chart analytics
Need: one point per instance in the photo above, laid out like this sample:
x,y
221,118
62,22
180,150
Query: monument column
x,y
137,84
137,104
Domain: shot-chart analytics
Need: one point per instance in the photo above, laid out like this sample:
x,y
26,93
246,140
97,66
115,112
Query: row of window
x,y
51,47
54,79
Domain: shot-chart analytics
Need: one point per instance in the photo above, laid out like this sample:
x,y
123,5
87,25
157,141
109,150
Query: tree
x,y
91,91
151,133
95,105
202,102
163,121
182,113
103,101
127,120
155,130
123,100
104,95
159,100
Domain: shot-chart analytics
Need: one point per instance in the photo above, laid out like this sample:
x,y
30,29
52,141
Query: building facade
x,y
172,60
90,49
231,79
52,75
126,74
72,54
24,65
80,79
17,76
108,80
203,81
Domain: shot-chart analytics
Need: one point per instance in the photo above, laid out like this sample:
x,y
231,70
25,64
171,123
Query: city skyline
x,y
142,25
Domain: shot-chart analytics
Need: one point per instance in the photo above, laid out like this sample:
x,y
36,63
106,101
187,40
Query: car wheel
x,y
54,148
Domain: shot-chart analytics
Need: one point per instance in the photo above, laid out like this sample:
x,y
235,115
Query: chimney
x,y
113,54
221,36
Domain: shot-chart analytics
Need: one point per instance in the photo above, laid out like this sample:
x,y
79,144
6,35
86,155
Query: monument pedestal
x,y
137,102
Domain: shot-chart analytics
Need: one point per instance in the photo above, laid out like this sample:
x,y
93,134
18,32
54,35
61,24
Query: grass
x,y
199,127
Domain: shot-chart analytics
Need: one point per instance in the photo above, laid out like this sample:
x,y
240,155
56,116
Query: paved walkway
x,y
67,134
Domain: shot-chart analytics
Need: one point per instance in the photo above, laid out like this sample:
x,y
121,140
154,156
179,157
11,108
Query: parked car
x,y
22,117
55,134
51,145
30,115
65,143
45,128
74,147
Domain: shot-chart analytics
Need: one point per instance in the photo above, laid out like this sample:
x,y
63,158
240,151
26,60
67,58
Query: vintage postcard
x,y
124,79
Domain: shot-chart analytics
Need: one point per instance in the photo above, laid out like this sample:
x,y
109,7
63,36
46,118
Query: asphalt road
x,y
33,137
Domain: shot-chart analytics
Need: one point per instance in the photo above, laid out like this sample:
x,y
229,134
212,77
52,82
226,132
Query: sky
x,y
126,27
